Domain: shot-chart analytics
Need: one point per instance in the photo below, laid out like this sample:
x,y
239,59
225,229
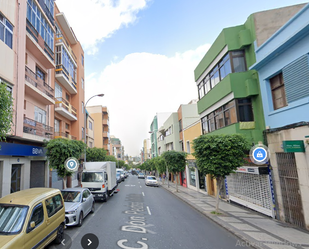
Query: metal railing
x,y
61,69
64,135
36,128
33,79
61,102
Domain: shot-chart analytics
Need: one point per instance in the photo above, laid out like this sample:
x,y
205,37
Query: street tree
x,y
175,162
96,154
219,156
110,158
160,164
59,150
6,111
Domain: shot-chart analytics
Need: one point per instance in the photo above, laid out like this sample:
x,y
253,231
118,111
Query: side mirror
x,y
32,224
84,199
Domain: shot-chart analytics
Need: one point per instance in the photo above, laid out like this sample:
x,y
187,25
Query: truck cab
x,y
97,183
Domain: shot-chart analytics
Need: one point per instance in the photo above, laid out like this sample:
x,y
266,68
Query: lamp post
x,y
97,95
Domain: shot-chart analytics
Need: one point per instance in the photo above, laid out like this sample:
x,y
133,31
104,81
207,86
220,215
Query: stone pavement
x,y
255,229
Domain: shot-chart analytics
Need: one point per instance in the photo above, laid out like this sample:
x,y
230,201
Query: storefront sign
x,y
293,146
253,170
10,149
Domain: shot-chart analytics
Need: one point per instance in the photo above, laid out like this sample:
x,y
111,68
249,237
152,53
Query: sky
x,y
142,53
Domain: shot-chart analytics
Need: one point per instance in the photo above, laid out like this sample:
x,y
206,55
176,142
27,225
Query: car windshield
x,y
92,177
118,174
151,178
71,196
12,218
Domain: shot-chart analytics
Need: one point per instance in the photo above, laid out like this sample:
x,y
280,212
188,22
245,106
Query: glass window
x,y
278,91
211,122
12,218
207,84
201,90
57,125
40,74
204,125
53,205
39,115
37,216
245,110
238,61
6,31
219,118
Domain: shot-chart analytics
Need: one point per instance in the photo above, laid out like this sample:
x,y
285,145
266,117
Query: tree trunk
x,y
176,182
64,180
219,183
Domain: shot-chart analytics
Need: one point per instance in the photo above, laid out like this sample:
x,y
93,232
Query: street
x,y
150,218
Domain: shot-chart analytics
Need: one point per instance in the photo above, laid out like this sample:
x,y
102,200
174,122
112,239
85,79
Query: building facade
x,y
35,65
101,127
230,100
283,67
116,148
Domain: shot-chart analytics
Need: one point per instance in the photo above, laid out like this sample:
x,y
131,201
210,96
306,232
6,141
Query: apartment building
x,y
283,67
101,126
146,150
116,148
157,122
89,131
230,99
34,56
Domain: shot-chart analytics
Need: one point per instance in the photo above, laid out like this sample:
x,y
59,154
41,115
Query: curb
x,y
248,242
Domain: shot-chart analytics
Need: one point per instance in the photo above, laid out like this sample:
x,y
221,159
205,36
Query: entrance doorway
x,y
15,178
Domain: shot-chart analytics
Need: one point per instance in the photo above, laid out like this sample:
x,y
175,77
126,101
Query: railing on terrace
x,y
61,102
61,69
36,128
64,135
60,38
33,79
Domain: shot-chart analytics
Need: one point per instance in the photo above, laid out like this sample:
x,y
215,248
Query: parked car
x,y
151,181
118,177
141,176
78,202
31,218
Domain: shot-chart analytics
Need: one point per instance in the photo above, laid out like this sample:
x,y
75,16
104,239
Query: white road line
x,y
143,193
140,186
148,210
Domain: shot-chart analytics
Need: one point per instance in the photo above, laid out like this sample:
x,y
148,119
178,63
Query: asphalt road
x,y
148,218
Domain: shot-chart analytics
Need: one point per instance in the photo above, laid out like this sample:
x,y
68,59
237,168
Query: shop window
x,y
278,91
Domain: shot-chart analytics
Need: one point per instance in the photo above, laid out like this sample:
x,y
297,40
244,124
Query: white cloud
x,y
103,18
139,86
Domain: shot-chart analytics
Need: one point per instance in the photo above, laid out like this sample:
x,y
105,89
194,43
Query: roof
x,y
28,196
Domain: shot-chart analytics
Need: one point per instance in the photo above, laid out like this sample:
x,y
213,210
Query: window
x,y
82,107
40,74
39,115
86,194
232,62
204,125
50,6
37,20
82,59
90,125
6,31
188,147
37,216
278,91
82,83
219,119
53,205
67,126
180,125
58,91
57,125
245,110
90,144
67,97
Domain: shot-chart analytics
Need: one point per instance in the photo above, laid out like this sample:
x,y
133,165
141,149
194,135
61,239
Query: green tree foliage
x,y
160,164
220,155
6,112
59,150
110,158
175,162
96,154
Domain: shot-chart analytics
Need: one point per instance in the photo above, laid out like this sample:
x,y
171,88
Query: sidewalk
x,y
254,229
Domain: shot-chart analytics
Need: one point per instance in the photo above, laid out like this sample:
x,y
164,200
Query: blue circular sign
x,y
71,164
259,154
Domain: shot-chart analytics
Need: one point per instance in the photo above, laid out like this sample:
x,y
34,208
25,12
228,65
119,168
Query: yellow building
x,y
196,180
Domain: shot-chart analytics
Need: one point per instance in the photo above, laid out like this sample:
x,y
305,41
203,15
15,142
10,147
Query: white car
x,y
78,202
151,181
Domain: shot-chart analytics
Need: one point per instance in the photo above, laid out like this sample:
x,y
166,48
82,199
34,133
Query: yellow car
x,y
31,218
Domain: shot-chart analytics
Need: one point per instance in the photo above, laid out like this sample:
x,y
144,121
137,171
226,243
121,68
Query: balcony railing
x,y
33,79
61,102
36,128
61,69
64,135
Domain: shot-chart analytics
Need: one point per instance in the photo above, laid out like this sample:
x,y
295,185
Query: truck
x,y
100,179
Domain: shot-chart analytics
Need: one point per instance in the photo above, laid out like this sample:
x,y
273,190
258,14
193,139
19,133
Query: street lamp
x,y
97,95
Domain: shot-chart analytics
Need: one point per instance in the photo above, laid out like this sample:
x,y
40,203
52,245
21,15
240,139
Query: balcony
x,y
37,46
37,129
64,135
66,28
61,40
64,108
62,75
105,122
39,89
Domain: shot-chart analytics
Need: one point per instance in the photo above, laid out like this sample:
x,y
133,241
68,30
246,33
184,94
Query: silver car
x,y
78,202
151,181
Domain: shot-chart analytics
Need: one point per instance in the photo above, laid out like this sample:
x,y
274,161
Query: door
x,y
15,178
201,180
88,202
291,198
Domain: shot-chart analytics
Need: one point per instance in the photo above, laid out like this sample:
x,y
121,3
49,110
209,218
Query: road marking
x,y
148,210
143,194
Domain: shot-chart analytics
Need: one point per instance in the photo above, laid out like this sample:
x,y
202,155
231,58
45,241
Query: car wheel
x,y
80,221
92,208
106,196
59,236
